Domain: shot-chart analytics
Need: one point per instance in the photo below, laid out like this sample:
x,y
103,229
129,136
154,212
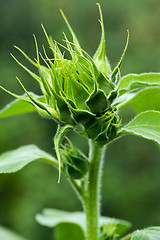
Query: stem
x,y
92,198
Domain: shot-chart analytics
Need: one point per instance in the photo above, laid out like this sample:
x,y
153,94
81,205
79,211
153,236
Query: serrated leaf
x,y
147,99
15,160
134,81
19,107
6,234
146,124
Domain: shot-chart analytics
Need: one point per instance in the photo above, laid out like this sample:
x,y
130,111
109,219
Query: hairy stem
x,y
92,197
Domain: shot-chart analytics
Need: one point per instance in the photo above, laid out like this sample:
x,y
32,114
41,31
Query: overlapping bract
x,y
77,91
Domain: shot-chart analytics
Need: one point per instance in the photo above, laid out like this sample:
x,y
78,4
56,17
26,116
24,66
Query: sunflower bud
x,y
75,163
79,91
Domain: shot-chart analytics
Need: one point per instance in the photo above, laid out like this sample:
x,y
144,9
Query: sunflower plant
x,y
83,94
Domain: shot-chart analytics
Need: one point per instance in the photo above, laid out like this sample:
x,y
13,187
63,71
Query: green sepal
x,y
75,40
117,68
61,131
80,116
99,57
97,102
105,84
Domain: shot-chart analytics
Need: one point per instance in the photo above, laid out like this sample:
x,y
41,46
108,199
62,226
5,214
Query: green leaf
x,y
146,124
53,217
151,233
147,99
134,81
6,234
69,231
15,160
19,107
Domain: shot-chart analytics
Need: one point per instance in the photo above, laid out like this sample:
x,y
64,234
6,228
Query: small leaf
x,y
134,81
6,234
15,160
19,107
146,124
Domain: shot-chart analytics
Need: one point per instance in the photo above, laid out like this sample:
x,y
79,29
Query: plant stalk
x,y
92,196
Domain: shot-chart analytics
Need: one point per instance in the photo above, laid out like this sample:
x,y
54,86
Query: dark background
x,y
131,186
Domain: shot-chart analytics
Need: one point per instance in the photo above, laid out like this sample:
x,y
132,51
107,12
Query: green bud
x,y
75,163
103,128
76,91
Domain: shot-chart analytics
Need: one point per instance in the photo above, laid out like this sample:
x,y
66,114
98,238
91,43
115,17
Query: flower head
x,y
79,90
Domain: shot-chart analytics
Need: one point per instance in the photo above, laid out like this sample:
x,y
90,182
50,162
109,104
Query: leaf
x,y
53,218
6,234
19,107
147,99
146,124
68,231
151,233
15,160
134,81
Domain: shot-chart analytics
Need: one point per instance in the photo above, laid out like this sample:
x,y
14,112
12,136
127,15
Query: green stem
x,y
92,198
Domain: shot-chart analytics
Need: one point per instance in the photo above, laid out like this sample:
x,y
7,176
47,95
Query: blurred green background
x,y
131,182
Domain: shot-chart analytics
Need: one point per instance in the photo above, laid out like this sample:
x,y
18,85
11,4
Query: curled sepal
x,y
61,131
100,57
75,163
